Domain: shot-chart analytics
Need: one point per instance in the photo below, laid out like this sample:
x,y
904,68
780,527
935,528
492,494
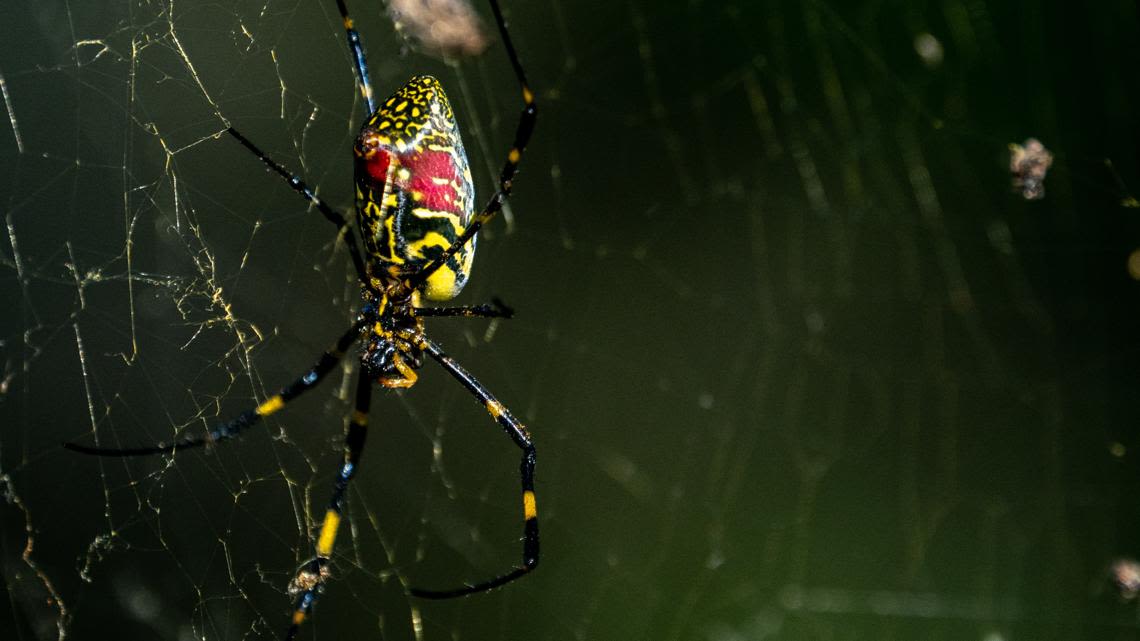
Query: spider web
x,y
797,362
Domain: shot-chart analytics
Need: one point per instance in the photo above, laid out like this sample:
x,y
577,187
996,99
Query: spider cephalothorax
x,y
388,355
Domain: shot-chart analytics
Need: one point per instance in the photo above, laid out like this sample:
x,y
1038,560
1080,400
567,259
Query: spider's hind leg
x,y
518,434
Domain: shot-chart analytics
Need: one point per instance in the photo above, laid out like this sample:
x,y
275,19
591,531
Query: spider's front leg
x,y
518,433
298,185
528,116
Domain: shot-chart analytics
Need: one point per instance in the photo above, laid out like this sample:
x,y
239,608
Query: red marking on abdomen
x,y
377,165
427,166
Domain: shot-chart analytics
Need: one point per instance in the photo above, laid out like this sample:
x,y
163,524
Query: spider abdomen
x,y
414,193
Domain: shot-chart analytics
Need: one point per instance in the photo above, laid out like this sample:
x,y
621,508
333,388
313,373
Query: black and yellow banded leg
x,y
496,309
523,131
358,62
529,113
230,429
315,572
518,433
298,185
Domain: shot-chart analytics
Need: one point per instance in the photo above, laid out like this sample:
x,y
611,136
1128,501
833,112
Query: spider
x,y
415,212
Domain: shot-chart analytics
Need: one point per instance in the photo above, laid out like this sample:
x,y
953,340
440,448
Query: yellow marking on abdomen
x,y
328,533
514,156
530,505
441,284
424,213
271,405
298,617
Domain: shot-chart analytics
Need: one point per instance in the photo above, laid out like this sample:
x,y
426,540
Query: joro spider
x,y
415,211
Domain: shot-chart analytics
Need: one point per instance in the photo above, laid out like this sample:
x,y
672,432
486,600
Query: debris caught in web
x,y
1125,577
310,573
1029,163
449,28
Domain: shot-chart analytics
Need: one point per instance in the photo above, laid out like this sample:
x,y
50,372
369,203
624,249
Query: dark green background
x,y
798,363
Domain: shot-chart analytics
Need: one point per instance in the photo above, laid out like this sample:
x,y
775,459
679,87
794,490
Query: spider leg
x,y
230,429
497,309
315,572
298,185
518,433
527,118
357,48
